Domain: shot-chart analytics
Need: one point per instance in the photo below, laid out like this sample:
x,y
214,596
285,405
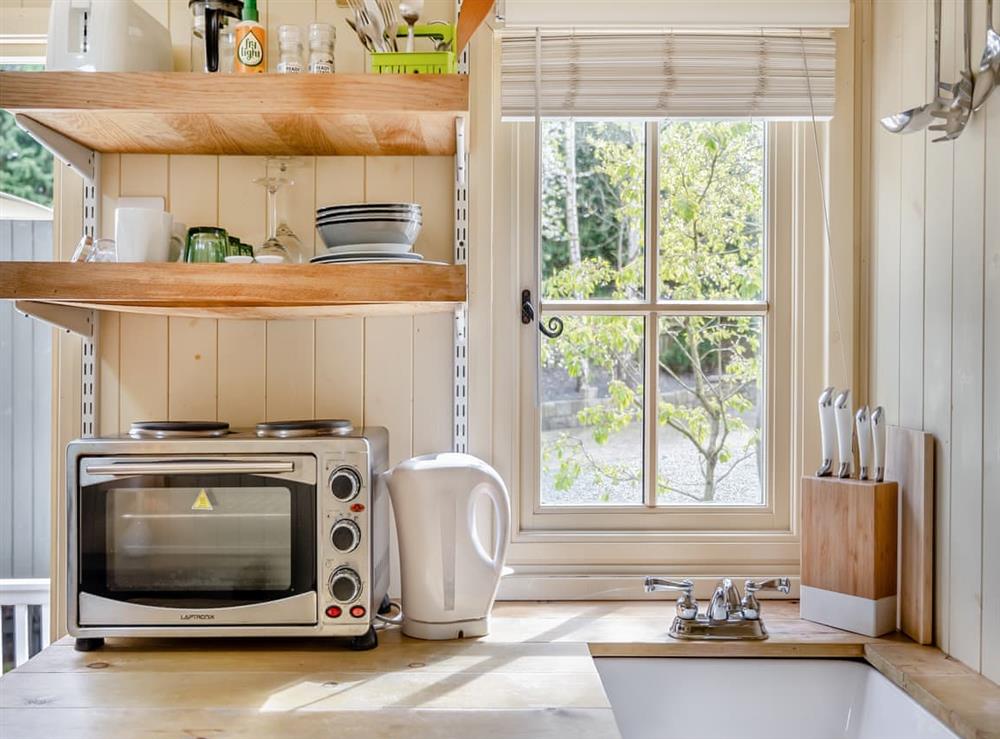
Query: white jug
x,y
449,581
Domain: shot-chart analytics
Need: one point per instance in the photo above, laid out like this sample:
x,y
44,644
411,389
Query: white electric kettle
x,y
449,581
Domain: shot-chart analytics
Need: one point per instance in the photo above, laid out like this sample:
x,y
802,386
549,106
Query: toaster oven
x,y
231,535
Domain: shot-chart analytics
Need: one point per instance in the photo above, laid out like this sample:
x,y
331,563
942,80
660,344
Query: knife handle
x,y
864,442
845,432
878,442
827,432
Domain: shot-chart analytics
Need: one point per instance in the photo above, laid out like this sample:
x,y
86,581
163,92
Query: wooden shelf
x,y
239,290
270,114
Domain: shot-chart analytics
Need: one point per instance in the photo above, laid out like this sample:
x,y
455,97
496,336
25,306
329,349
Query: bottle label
x,y
321,67
289,67
250,52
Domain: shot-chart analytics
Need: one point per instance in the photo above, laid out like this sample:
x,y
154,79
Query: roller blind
x,y
668,74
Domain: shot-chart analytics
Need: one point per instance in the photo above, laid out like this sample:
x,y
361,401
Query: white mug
x,y
143,234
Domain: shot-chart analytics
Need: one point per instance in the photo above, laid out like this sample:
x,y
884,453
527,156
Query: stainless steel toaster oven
x,y
232,534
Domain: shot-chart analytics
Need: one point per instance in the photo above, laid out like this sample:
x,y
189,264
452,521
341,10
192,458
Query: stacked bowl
x,y
369,232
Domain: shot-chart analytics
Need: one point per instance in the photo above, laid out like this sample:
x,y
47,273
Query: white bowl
x,y
341,233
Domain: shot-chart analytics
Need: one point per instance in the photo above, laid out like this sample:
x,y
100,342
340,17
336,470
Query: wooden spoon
x,y
472,15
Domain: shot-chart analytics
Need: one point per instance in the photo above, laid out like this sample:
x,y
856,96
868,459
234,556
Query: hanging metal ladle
x,y
917,119
989,65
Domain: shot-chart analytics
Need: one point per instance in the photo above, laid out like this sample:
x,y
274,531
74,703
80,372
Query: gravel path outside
x,y
678,459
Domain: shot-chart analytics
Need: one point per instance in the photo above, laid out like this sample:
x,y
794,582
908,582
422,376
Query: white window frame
x,y
774,513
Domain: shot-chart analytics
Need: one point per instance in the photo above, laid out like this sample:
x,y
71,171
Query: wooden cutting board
x,y
910,463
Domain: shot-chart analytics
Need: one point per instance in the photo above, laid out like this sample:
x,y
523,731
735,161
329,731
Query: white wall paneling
x,y
935,348
367,370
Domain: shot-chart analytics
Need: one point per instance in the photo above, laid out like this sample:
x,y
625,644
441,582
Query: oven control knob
x,y
345,585
345,535
345,483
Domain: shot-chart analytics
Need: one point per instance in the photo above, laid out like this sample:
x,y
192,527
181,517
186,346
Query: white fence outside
x,y
23,596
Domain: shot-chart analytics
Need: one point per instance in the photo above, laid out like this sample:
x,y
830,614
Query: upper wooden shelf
x,y
269,114
238,290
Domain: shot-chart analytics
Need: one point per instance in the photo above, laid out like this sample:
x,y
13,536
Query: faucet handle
x,y
782,584
749,605
687,606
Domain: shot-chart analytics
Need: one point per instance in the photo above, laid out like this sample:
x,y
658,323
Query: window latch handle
x,y
552,328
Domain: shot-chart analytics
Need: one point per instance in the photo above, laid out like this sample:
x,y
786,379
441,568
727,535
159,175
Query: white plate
x,y
367,256
244,259
371,248
369,232
389,260
270,259
367,206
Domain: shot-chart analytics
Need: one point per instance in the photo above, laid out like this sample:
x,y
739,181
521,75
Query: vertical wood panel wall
x,y
25,416
387,371
935,310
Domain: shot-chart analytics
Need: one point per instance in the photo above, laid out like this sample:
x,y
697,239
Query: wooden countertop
x,y
532,677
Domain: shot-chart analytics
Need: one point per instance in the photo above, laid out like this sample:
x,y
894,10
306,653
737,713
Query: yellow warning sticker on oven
x,y
202,503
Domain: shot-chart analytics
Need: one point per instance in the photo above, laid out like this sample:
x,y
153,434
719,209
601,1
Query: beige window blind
x,y
778,76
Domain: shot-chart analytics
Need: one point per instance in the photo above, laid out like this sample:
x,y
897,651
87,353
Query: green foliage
x,y
25,166
710,248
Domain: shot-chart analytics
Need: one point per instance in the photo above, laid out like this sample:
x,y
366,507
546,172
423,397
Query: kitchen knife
x,y
845,431
827,432
878,441
864,442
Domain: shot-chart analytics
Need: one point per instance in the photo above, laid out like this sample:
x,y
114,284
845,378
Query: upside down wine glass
x,y
282,244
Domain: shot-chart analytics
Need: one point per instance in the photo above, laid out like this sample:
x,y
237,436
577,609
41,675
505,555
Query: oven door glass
x,y
196,539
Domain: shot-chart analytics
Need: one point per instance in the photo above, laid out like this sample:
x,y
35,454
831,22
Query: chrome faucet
x,y
728,616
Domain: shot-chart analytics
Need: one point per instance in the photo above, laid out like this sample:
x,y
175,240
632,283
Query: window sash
x,y
774,514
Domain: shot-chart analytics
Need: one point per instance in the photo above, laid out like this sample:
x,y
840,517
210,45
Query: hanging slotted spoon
x,y
989,65
956,118
917,119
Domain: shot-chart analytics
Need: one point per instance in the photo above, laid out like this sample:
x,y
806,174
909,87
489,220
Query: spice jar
x,y
321,41
290,49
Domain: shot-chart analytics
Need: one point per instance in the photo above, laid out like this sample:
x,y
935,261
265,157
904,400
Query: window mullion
x,y
652,289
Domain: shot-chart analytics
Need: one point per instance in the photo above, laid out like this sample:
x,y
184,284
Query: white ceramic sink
x,y
656,698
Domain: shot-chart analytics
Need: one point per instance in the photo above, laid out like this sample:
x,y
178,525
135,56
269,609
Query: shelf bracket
x,y
81,321
82,159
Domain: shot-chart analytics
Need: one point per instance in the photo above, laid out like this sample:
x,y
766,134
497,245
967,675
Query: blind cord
x,y
826,214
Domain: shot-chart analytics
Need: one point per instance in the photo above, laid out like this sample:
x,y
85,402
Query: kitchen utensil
x,y
362,36
106,36
917,119
827,432
367,26
206,244
845,432
410,11
471,16
989,64
103,250
449,581
956,118
143,234
378,24
381,231
212,21
390,15
878,443
864,442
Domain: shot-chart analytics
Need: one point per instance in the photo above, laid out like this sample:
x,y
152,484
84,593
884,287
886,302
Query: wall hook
x,y
552,328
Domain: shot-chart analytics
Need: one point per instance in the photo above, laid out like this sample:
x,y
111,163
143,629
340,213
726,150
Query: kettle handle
x,y
213,24
501,517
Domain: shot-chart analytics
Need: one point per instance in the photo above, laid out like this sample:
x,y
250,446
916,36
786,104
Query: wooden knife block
x,y
849,545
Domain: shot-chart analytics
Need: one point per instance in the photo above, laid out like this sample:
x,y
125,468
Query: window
x,y
656,404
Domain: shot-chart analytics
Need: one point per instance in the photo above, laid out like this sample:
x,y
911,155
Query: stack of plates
x,y
361,230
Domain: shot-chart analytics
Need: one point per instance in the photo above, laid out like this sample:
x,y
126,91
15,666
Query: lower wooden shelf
x,y
248,291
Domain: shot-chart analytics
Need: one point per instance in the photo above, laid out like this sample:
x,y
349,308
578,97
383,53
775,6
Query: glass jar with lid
x,y
290,49
206,244
321,40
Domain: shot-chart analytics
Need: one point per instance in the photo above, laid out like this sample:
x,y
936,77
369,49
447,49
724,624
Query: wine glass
x,y
282,244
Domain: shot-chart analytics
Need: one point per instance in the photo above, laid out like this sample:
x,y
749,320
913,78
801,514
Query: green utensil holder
x,y
417,62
